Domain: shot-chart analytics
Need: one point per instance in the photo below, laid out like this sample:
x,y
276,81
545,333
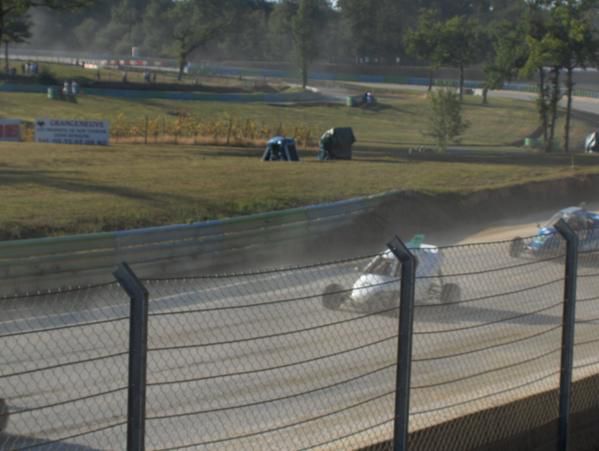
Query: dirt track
x,y
523,226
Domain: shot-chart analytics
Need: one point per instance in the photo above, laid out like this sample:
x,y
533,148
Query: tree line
x,y
535,39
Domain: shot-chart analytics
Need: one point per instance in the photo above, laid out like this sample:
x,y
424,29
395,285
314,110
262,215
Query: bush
x,y
446,123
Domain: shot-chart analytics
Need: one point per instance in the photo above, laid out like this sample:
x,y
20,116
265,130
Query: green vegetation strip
x,y
52,190
399,121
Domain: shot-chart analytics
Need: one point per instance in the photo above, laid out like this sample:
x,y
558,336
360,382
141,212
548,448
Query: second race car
x,y
548,242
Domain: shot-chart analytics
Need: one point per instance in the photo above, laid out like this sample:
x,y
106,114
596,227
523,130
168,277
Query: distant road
x,y
585,104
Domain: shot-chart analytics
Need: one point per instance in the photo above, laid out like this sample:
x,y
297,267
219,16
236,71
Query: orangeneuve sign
x,y
60,131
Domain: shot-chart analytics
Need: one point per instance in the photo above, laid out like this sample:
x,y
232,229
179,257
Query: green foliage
x,y
424,40
263,30
305,30
504,52
446,123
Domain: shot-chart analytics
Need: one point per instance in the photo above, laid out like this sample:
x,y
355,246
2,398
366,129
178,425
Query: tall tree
x,y
536,28
280,32
16,30
423,41
15,24
505,53
572,23
11,10
306,24
458,45
195,23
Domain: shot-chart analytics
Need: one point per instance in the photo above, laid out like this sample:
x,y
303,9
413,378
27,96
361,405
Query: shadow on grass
x,y
474,156
402,155
43,178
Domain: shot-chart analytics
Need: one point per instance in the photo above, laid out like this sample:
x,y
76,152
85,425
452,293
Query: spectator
x,y
66,89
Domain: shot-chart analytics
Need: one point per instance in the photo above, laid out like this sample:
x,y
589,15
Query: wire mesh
x,y
259,362
305,358
487,333
585,389
64,369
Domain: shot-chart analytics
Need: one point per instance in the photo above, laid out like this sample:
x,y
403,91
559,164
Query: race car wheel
x,y
3,414
516,247
333,296
450,293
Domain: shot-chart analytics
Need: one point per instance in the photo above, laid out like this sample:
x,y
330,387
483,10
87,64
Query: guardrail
x,y
53,263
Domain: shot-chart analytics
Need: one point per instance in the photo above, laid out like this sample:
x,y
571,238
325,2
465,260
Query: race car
x,y
378,286
548,242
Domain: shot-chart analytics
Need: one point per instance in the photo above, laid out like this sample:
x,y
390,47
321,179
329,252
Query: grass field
x,y
398,122
53,190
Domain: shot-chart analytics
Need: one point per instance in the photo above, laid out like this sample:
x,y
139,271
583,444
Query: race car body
x,y
378,285
548,242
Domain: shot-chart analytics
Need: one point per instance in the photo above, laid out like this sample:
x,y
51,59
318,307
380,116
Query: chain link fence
x,y
304,358
64,369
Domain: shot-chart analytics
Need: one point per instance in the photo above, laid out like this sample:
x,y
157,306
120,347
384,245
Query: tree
x,y
560,36
536,29
156,35
11,10
194,24
572,24
306,24
373,29
505,53
458,45
445,122
423,41
357,16
14,22
16,30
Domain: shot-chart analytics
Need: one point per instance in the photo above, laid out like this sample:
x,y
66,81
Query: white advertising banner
x,y
60,131
10,130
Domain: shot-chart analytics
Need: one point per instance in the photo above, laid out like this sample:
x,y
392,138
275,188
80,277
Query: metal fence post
x,y
569,321
404,346
138,347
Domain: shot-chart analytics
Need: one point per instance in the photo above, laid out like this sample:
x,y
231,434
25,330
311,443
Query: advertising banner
x,y
10,130
60,131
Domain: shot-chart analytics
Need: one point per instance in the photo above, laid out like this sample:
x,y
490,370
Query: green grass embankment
x,y
53,190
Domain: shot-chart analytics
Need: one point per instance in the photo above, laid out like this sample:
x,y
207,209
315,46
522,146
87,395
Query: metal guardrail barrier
x,y
305,357
53,263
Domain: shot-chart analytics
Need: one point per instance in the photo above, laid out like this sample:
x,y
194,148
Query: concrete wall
x,y
530,424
